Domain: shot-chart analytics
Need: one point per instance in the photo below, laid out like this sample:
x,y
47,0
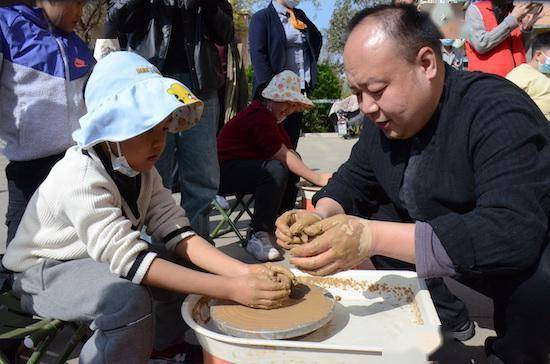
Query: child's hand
x,y
274,272
258,290
322,179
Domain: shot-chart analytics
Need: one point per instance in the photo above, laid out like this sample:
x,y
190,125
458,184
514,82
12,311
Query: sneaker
x,y
182,353
260,245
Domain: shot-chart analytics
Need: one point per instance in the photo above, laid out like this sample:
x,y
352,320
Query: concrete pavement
x,y
326,152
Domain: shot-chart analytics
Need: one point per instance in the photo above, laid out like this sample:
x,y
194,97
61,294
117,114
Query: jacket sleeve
x,y
259,52
128,16
166,221
219,22
1,53
318,43
92,206
315,36
478,36
354,186
510,156
1,63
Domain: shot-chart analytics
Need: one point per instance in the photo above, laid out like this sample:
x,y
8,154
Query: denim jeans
x,y
273,186
196,156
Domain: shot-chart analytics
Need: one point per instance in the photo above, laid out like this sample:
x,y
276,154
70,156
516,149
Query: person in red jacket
x,y
494,34
256,156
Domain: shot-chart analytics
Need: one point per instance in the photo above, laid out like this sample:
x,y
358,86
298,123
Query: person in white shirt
x,y
78,254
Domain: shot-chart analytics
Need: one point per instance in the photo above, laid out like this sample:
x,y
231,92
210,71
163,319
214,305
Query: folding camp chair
x,y
228,224
37,333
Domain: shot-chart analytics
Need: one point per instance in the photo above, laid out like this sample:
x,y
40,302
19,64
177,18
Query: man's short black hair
x,y
410,28
541,42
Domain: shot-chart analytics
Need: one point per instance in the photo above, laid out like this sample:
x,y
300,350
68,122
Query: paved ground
x,y
326,153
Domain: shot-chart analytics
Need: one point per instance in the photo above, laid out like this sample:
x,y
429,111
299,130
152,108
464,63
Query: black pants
x,y
273,186
23,180
521,312
293,126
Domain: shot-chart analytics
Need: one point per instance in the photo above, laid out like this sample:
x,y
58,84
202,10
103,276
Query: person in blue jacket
x,y
281,37
43,67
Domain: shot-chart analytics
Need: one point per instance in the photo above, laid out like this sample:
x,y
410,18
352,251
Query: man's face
x,y
144,150
64,14
398,96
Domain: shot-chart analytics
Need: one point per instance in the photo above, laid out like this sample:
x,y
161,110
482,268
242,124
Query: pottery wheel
x,y
308,308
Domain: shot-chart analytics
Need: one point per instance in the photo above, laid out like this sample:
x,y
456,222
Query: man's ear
x,y
427,60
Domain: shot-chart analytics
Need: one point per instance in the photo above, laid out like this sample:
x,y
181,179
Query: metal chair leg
x,y
41,349
226,219
77,337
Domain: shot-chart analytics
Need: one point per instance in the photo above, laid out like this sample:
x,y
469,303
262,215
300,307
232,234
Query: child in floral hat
x,y
78,254
256,156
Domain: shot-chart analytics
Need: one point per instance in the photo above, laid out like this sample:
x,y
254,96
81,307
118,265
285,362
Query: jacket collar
x,y
34,15
280,9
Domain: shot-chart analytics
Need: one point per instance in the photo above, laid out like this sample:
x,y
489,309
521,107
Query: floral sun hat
x,y
285,87
127,96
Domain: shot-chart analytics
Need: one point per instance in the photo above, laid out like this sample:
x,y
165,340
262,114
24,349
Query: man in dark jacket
x,y
451,173
179,37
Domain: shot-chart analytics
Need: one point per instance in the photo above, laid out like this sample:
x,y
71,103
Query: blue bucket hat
x,y
127,96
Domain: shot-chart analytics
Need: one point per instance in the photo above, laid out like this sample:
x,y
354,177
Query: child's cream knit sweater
x,y
78,212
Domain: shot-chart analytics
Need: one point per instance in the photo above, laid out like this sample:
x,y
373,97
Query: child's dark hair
x,y
541,42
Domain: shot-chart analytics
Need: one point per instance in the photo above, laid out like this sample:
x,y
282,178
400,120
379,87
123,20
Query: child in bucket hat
x,y
256,156
79,255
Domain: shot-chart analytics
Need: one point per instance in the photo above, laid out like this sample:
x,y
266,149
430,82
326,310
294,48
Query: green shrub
x,y
328,87
316,120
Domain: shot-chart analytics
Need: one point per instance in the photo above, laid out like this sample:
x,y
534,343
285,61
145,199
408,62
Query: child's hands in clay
x,y
340,242
259,290
290,227
275,272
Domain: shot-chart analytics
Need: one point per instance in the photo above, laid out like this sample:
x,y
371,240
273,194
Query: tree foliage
x,y
90,26
344,10
328,84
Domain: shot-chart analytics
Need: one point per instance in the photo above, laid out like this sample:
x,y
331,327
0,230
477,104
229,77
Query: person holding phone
x,y
494,31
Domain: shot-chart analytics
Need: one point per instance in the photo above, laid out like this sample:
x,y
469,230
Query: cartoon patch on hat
x,y
182,94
